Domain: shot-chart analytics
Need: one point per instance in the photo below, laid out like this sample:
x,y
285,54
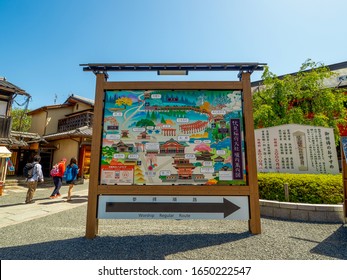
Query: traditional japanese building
x,y
147,95
193,127
168,131
172,147
125,133
16,150
185,170
151,152
66,130
180,160
223,123
218,118
205,156
122,147
143,135
225,168
218,159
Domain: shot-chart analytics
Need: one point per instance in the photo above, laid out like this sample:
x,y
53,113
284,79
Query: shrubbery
x,y
303,188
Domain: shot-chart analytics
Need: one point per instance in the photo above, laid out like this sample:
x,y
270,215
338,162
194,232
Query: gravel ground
x,y
61,236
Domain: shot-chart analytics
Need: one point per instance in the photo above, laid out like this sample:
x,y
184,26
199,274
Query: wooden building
x,y
8,140
185,170
172,147
122,147
204,156
67,130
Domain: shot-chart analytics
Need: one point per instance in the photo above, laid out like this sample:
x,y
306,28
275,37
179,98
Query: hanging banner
x,y
10,165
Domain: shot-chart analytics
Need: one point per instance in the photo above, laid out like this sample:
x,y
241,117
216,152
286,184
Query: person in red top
x,y
58,179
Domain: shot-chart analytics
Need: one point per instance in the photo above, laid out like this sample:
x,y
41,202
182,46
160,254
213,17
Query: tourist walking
x,y
58,178
71,176
33,173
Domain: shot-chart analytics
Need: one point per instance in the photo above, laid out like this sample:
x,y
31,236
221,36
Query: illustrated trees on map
x,y
144,123
206,107
107,153
202,147
124,101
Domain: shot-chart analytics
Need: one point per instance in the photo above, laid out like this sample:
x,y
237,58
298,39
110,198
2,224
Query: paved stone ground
x,y
60,235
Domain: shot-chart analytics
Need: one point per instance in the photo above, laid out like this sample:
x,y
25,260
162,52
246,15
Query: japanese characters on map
x,y
296,149
173,137
236,148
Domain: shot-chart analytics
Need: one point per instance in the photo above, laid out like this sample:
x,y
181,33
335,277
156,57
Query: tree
x,y
202,147
124,101
206,106
153,116
301,99
20,120
163,121
144,123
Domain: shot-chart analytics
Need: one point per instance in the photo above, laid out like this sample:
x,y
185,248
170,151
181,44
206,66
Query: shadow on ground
x,y
144,247
335,245
76,199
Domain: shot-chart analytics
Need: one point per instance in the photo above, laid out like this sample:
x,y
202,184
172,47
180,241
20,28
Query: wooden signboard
x,y
173,150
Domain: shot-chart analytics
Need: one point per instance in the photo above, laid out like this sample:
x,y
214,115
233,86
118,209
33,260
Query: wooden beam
x,y
174,190
92,221
172,85
251,165
344,178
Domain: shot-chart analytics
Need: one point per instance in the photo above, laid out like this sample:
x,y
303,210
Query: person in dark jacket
x,y
32,182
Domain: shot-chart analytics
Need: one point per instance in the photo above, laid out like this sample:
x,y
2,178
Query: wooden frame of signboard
x,y
250,190
344,181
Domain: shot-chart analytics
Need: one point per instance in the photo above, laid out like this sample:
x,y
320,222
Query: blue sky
x,y
43,42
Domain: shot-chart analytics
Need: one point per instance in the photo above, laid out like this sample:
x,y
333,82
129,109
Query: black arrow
x,y
226,207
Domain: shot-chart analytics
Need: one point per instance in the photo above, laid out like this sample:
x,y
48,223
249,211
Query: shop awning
x,y
4,152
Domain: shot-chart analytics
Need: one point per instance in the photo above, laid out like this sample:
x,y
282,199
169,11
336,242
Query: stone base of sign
x,y
302,212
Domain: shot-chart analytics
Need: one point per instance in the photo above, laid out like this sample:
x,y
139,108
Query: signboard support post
x,y
344,178
254,221
92,221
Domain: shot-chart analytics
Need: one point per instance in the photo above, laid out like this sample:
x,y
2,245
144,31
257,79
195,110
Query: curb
x,y
326,213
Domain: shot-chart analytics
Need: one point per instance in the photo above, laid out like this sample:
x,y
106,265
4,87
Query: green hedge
x,y
303,188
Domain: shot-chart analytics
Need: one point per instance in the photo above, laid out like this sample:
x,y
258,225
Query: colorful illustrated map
x,y
173,137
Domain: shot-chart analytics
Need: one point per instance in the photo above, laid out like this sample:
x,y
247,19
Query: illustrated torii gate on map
x,y
207,173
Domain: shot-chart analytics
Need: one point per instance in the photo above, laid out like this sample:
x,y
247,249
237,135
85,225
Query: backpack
x,y
68,174
55,171
28,170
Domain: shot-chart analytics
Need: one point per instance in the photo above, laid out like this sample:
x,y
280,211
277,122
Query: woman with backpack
x,y
57,173
71,175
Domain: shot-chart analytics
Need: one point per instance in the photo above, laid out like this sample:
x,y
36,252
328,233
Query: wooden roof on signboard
x,y
225,66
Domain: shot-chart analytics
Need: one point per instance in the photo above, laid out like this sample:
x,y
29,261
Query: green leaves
x,y
20,120
301,98
303,188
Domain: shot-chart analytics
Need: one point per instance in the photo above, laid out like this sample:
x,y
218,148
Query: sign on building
x,y
296,148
